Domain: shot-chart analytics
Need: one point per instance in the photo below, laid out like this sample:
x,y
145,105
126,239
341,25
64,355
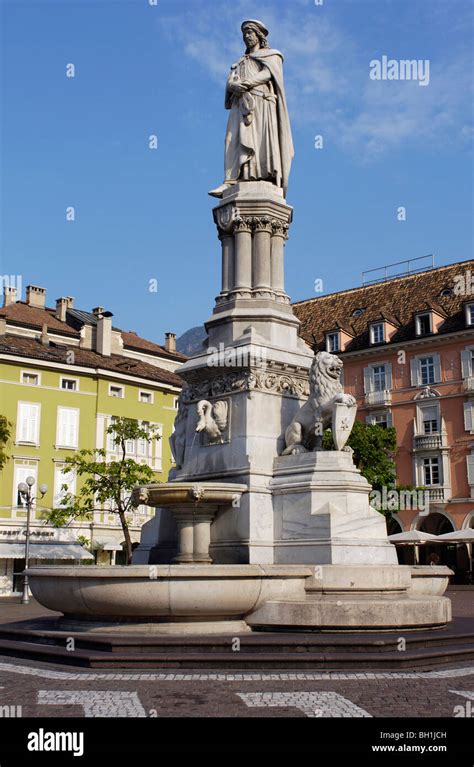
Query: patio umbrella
x,y
461,536
412,538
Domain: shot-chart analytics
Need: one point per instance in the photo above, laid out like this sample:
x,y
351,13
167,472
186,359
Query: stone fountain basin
x,y
190,494
165,592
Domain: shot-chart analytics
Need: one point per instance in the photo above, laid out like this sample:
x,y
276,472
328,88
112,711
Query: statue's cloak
x,y
273,61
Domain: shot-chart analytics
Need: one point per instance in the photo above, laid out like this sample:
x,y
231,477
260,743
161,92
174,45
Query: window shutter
x,y
367,380
28,422
437,368
67,431
470,469
468,416
388,376
466,370
414,372
389,419
159,448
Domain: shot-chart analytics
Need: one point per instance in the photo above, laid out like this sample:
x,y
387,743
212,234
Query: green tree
x,y
374,452
105,482
5,434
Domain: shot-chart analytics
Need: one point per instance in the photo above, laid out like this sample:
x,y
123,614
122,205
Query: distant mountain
x,y
191,341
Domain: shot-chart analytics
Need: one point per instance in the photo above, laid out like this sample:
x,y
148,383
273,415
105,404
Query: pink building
x,y
408,350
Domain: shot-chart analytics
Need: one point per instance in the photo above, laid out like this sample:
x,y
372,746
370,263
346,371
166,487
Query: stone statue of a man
x,y
258,144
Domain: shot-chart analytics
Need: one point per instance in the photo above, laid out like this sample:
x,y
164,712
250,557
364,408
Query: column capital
x,y
262,224
242,224
280,228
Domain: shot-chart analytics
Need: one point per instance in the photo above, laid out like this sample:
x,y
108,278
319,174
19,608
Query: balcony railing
x,y
427,441
378,398
437,493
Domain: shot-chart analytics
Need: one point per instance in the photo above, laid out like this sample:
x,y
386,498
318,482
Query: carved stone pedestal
x,y
322,512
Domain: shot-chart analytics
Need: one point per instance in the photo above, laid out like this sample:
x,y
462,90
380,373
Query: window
x,y
176,403
379,378
28,423
431,471
32,379
20,473
381,420
427,371
67,431
145,396
377,334
429,416
61,479
469,314
423,324
332,342
111,446
70,384
358,312
467,362
116,391
468,416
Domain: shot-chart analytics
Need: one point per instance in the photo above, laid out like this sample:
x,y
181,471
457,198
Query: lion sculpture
x,y
305,432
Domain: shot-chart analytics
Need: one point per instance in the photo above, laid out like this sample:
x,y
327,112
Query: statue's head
x,y
254,32
328,365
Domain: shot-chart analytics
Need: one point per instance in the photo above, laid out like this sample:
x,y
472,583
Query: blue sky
x,y
143,214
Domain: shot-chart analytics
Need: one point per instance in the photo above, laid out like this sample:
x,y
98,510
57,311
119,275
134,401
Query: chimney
x,y
44,335
9,295
104,333
170,342
35,296
62,305
98,311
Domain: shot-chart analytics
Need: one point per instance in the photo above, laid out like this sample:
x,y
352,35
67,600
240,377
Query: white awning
x,y
45,551
412,537
458,536
106,544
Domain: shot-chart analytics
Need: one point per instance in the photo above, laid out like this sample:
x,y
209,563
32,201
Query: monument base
x,y
323,515
356,598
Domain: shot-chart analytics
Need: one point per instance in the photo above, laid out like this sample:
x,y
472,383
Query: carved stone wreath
x,y
249,381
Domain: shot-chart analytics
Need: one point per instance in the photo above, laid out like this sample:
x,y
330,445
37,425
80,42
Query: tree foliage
x,y
5,434
106,483
374,452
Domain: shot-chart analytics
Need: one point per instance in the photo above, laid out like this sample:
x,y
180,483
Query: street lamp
x,y
25,490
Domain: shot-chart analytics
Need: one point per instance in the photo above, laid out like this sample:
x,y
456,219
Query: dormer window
x,y
377,333
469,309
423,324
332,342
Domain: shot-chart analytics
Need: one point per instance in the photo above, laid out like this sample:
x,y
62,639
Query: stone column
x,y
202,539
184,521
280,234
227,241
243,254
261,270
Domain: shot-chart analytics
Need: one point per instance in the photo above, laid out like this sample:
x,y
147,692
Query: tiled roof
x,y
397,300
132,341
33,348
22,313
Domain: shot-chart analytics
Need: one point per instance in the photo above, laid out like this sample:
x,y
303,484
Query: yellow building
x,y
64,375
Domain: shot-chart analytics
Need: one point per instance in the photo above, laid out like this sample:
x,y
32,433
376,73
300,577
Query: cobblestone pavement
x,y
30,688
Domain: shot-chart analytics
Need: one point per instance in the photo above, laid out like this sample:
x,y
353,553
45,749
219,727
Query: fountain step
x,y
424,650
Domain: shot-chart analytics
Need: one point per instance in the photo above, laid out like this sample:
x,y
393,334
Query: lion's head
x,y
325,375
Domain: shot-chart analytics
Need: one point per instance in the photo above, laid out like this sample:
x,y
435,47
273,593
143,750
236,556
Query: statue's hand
x,y
237,87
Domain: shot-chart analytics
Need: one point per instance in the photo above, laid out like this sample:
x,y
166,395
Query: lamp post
x,y
25,490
